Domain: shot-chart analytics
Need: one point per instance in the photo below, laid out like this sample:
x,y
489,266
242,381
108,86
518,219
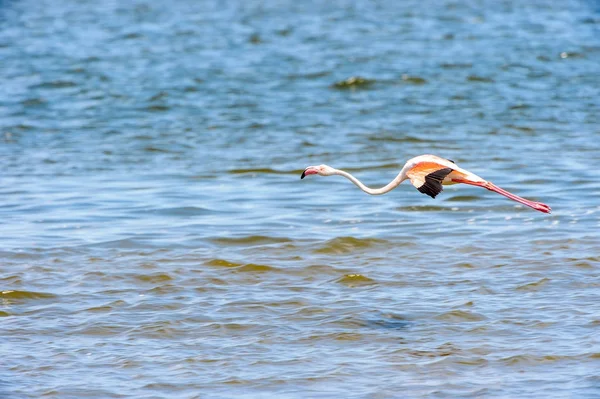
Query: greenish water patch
x,y
10,295
155,278
355,280
157,108
456,65
415,80
341,245
466,265
535,286
222,263
463,198
256,268
241,267
479,79
354,82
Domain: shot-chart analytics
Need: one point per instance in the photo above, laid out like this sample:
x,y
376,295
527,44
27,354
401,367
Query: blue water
x,y
156,240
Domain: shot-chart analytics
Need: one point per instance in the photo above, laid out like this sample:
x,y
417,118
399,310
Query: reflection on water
x,y
156,240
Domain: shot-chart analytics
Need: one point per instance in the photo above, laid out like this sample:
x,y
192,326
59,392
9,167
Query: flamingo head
x,y
322,170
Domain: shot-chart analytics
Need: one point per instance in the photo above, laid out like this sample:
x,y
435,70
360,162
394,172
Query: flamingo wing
x,y
427,177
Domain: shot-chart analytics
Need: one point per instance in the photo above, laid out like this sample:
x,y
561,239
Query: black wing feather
x,y
433,182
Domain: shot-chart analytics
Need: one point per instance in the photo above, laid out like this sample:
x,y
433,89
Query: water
x,y
156,240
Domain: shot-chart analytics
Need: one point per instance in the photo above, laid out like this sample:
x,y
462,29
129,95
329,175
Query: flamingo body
x,y
428,173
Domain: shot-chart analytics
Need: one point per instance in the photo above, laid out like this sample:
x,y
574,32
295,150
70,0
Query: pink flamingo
x,y
427,173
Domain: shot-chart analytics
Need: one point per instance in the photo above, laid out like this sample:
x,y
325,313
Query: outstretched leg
x,y
538,206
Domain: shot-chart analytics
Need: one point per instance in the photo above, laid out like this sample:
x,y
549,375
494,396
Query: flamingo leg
x,y
538,206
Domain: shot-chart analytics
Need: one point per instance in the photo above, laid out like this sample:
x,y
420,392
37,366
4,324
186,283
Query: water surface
x,y
156,240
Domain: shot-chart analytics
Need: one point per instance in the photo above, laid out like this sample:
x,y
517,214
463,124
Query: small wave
x,y
309,75
463,198
222,263
156,108
415,80
456,65
158,96
157,329
184,211
231,326
154,278
533,359
126,243
354,82
107,307
130,36
481,79
256,268
519,106
458,316
100,330
19,127
21,255
536,181
471,361
99,309
249,240
342,245
319,270
405,139
390,321
534,286
159,149
525,129
55,84
21,296
355,280
34,102
240,267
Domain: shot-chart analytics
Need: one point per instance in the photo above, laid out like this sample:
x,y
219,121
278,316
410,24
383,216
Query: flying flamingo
x,y
427,173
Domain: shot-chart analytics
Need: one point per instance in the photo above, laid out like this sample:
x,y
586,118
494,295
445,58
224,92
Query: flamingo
x,y
428,173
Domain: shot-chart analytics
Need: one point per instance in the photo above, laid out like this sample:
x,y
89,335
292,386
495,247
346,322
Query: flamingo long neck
x,y
373,191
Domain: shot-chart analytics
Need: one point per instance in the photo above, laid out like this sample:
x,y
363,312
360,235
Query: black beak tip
x,y
303,174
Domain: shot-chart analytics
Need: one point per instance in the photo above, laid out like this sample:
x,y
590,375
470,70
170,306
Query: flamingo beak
x,y
309,171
